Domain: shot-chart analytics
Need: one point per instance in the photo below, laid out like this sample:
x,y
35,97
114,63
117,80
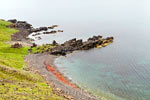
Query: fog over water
x,y
120,70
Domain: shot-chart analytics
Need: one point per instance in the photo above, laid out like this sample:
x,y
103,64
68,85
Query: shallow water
x,y
120,70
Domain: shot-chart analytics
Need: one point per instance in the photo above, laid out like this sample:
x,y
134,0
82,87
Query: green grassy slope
x,y
15,83
10,56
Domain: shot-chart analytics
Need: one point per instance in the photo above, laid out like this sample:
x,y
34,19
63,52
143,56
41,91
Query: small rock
x,y
55,26
34,45
60,31
51,27
54,43
16,45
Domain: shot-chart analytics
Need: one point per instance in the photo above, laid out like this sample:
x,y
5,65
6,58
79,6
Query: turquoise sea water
x,y
120,70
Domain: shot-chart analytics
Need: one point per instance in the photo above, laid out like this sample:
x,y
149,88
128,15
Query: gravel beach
x,y
36,62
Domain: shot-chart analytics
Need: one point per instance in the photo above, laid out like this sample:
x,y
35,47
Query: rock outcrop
x,y
38,29
51,32
20,24
25,29
74,44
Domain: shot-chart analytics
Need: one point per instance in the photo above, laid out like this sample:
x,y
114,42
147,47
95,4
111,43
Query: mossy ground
x,y
15,83
43,48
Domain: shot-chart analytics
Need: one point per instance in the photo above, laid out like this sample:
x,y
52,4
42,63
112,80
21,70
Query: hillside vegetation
x,y
15,83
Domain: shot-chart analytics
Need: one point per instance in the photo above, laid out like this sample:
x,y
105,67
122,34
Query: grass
x,y
15,83
11,57
42,49
5,32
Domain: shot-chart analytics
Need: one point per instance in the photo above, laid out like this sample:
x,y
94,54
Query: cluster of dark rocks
x,y
26,29
38,29
23,28
45,29
74,45
20,24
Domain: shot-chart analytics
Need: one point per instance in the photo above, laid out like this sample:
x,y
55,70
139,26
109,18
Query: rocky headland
x,y
74,45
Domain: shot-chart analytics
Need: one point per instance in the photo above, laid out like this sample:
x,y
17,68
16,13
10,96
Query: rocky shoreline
x,y
44,62
74,45
26,29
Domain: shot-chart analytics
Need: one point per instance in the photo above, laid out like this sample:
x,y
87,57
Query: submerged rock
x,y
60,31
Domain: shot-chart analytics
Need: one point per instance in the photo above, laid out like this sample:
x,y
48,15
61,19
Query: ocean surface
x,y
120,71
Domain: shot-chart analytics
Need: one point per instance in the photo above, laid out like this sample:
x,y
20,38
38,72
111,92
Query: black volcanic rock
x,y
43,28
51,32
12,20
74,44
23,24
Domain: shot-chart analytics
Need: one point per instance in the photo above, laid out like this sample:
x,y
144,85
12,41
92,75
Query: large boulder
x,y
58,51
